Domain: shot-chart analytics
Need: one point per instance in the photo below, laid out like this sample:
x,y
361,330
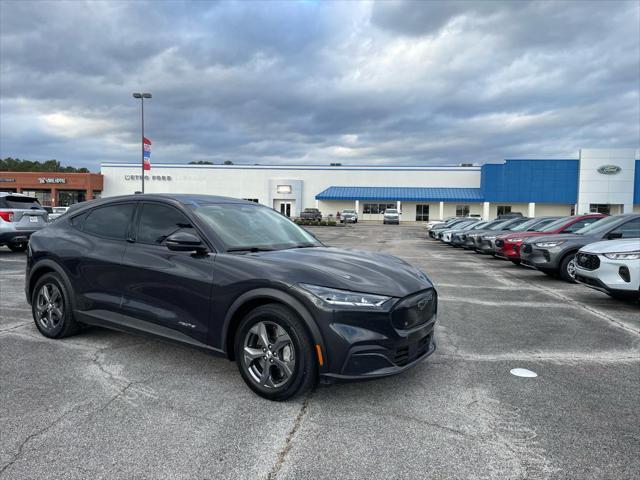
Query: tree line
x,y
17,165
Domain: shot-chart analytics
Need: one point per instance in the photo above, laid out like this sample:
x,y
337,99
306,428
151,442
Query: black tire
x,y
568,268
50,323
305,373
515,262
17,247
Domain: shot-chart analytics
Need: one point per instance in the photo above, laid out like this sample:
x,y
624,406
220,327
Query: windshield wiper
x,y
250,249
306,245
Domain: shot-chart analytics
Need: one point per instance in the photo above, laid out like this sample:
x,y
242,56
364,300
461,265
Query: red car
x,y
508,246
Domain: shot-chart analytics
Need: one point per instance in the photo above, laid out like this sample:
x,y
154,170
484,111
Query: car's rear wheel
x,y
568,268
17,247
51,307
274,353
515,262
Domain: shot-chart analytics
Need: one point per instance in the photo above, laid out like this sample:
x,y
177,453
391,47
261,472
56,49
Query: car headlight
x,y
515,239
549,244
346,298
623,256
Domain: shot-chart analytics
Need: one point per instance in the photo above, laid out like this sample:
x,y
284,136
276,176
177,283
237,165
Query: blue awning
x,y
403,194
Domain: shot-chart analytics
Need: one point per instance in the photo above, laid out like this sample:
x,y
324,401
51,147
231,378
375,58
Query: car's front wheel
x,y
274,353
568,268
51,307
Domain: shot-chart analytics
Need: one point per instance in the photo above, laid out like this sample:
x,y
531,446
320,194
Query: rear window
x,y
19,203
111,221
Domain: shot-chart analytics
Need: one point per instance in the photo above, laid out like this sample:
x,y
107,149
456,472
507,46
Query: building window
x,y
377,208
97,194
504,209
69,197
422,213
462,210
254,200
600,208
43,196
283,189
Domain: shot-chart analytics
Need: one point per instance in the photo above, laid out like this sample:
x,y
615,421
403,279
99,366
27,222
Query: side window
x,y
578,225
158,221
78,221
111,221
630,229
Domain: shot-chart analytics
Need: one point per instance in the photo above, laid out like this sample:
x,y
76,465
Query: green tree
x,y
17,165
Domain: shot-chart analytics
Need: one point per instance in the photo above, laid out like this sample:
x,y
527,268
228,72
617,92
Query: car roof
x,y
14,194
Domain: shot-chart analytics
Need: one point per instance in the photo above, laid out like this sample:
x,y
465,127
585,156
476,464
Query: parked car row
x,y
599,251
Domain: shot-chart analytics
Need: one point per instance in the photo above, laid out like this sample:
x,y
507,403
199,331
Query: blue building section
x,y
636,185
403,194
540,181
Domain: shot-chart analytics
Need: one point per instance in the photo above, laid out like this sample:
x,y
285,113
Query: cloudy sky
x,y
315,82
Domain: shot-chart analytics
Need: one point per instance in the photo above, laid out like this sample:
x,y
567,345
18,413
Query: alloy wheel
x,y
571,269
269,356
49,306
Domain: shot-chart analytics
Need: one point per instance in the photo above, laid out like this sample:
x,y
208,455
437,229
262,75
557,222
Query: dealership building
x,y
598,180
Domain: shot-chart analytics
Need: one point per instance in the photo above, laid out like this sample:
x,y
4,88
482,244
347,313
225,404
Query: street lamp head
x,y
137,95
146,95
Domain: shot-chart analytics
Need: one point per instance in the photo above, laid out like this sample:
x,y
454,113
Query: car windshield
x,y
479,225
556,224
462,226
599,226
499,225
391,210
348,211
469,226
525,225
253,227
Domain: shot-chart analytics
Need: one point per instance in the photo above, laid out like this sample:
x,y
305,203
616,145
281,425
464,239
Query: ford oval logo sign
x,y
609,169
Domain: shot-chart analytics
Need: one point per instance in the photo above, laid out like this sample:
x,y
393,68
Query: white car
x,y
57,212
612,266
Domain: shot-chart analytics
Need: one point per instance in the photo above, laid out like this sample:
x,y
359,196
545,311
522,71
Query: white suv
x,y
612,266
20,216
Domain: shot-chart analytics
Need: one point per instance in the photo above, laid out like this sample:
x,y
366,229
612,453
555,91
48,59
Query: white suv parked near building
x,y
611,266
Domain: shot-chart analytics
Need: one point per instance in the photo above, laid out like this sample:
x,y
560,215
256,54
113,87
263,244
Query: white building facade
x,y
599,180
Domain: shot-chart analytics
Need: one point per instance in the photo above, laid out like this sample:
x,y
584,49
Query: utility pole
x,y
142,96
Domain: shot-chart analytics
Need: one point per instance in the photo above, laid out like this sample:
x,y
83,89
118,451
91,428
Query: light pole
x,y
142,96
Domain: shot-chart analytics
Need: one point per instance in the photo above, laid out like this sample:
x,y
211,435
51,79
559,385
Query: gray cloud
x,y
277,82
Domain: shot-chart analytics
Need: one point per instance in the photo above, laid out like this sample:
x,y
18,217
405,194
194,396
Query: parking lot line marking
x,y
502,303
610,357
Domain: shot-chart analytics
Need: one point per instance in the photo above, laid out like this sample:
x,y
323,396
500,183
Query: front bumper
x,y
362,345
508,250
485,246
540,258
391,221
616,276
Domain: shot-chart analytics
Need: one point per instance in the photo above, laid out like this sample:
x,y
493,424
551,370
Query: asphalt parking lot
x,y
108,405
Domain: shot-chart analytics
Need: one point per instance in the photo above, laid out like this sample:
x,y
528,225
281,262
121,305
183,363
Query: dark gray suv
x,y
554,254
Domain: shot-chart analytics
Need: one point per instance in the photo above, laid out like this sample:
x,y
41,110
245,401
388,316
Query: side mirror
x,y
184,242
614,235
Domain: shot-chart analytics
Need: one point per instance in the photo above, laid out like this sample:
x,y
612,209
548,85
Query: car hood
x,y
355,270
505,235
613,246
567,237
